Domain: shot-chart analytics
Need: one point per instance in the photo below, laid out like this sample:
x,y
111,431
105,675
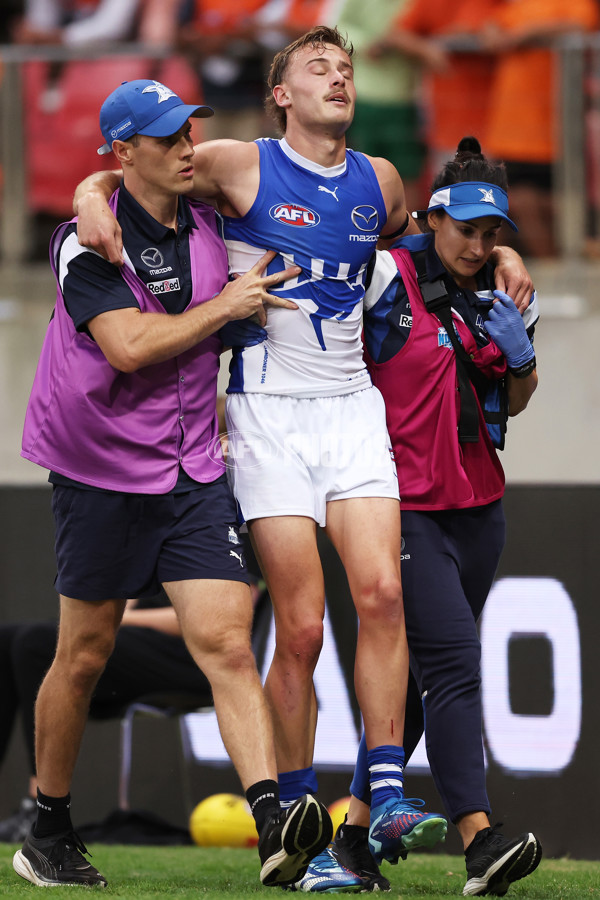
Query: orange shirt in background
x,y
458,98
224,15
524,93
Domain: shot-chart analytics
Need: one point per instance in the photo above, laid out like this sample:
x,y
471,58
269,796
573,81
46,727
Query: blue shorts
x,y
112,545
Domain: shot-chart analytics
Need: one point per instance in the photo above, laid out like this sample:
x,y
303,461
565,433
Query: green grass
x,y
192,873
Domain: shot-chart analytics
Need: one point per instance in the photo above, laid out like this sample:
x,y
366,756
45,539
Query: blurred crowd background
x,y
521,75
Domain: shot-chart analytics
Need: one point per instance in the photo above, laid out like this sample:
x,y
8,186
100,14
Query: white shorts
x,y
289,456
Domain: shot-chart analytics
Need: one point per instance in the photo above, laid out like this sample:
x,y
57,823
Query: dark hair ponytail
x,y
469,164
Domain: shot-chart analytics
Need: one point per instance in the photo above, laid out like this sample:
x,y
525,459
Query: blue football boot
x,y
345,867
398,826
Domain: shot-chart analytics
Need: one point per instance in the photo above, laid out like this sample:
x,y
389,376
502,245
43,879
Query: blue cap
x,y
470,200
144,107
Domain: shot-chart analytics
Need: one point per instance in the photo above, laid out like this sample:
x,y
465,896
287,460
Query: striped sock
x,y
386,773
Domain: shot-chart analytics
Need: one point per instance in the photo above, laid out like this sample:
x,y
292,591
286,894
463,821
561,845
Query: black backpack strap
x,y
437,301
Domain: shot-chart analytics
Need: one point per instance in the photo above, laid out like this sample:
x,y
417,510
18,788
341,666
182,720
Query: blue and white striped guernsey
x,y
327,221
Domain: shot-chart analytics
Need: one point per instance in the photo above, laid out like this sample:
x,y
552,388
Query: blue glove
x,y
242,333
505,326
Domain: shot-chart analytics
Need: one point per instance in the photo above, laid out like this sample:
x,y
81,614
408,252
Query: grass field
x,y
191,873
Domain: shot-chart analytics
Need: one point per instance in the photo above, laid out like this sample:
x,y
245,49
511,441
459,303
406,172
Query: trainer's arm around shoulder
x,y
131,339
399,222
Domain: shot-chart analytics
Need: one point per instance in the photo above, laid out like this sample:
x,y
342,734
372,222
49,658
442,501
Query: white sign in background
x,y
519,744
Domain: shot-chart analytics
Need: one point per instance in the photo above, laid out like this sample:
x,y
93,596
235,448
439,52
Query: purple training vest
x,y
130,431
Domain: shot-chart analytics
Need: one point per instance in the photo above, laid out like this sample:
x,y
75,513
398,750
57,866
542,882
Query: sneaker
x,y
16,828
56,860
347,865
494,861
325,875
290,840
397,827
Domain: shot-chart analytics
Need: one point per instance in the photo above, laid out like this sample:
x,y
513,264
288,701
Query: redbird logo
x,y
164,287
292,214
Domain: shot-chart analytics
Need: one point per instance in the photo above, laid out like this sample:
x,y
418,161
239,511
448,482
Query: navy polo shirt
x,y
160,255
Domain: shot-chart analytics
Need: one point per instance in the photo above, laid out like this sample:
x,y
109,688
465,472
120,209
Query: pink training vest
x,y
419,386
130,431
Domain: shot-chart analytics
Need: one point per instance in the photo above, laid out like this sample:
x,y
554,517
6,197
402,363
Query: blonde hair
x,y
316,38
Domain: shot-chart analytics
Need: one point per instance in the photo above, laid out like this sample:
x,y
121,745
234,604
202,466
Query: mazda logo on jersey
x,y
365,218
152,258
292,214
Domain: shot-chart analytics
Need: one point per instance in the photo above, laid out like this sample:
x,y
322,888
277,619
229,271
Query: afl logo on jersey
x,y
292,214
365,218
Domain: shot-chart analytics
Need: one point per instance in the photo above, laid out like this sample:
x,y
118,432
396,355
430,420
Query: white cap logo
x,y
488,196
157,88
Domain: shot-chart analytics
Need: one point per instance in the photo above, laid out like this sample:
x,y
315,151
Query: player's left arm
x,y
399,222
511,276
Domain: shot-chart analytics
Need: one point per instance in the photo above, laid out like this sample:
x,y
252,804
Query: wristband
x,y
525,370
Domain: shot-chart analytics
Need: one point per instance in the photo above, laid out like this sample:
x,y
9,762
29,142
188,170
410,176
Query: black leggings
x,y
144,661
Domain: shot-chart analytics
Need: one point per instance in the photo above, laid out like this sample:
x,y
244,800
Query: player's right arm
x,y
97,227
225,172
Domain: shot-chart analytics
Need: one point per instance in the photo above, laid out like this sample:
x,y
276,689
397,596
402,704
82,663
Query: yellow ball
x,y
223,820
337,811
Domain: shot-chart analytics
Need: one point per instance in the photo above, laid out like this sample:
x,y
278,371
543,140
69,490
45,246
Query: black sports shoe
x,y
347,865
16,828
56,860
494,861
351,847
289,841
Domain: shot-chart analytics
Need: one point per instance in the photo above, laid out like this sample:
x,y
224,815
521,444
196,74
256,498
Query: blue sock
x,y
386,773
360,786
295,784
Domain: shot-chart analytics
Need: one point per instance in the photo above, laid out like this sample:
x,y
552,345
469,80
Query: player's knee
x,y
302,646
86,664
230,652
380,603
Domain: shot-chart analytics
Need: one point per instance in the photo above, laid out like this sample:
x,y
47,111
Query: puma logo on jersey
x,y
327,191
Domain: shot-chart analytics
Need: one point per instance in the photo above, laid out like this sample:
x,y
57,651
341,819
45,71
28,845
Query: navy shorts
x,y
112,545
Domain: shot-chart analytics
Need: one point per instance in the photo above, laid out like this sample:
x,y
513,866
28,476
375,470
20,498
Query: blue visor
x,y
471,200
